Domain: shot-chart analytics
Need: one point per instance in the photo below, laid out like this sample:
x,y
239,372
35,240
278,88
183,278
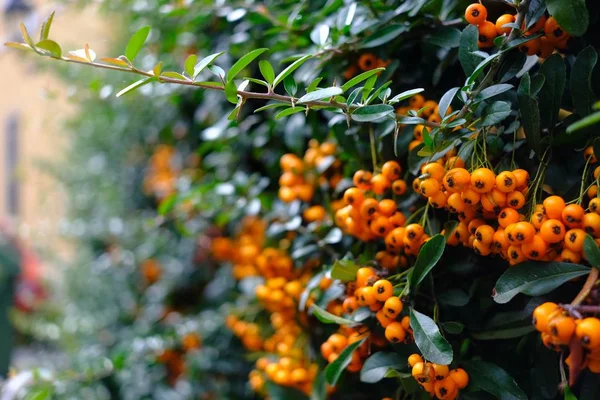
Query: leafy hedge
x,y
355,183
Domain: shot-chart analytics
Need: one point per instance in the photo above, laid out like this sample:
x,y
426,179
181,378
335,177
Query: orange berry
x,y
354,197
429,187
350,304
367,62
476,14
380,226
536,249
397,219
508,216
552,231
416,101
438,200
460,377
546,48
572,215
523,232
561,328
457,180
383,319
503,20
399,187
391,170
434,170
538,26
574,239
591,223
515,200
393,307
380,184
588,332
395,333
383,289
553,31
414,232
553,207
362,179
387,207
522,177
369,208
531,47
542,314
413,359
506,181
483,180
445,389
487,34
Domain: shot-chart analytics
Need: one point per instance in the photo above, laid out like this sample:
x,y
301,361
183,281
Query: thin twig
x,y
587,287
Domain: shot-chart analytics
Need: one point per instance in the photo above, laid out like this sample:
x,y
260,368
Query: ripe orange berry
x,y
367,296
457,180
304,192
515,254
506,181
508,216
595,205
522,177
397,219
354,197
470,196
399,187
362,179
523,232
483,180
503,20
574,239
395,333
445,389
314,213
500,242
542,315
569,256
380,184
553,207
487,34
413,359
546,48
291,162
481,249
538,26
515,200
393,307
383,289
416,101
434,170
350,304
391,170
588,154
287,194
485,234
553,31
591,223
531,47
476,14
561,328
414,232
429,187
588,332
438,200
387,207
383,320
380,226
572,215
552,231
364,275
369,208
536,249
367,62
460,377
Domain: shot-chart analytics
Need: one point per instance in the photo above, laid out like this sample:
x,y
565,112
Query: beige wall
x,y
41,102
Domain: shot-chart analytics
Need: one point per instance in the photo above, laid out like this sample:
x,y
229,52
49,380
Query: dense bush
x,y
376,211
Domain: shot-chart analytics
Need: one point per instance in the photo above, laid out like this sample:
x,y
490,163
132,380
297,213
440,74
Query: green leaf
x,y
535,278
51,47
453,327
446,100
384,35
581,81
328,318
44,393
445,37
591,251
468,44
243,63
136,85
493,379
320,94
359,78
290,86
278,392
26,36
319,388
334,370
555,74
428,339
405,95
20,46
429,255
496,113
590,120
571,15
530,115
257,81
492,91
314,84
231,92
266,69
157,68
376,367
45,31
269,106
372,113
534,12
454,297
189,64
569,394
136,43
174,75
206,61
344,270
509,333
288,112
353,96
290,68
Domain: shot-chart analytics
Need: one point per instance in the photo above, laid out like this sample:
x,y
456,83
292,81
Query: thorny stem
x,y
242,93
489,77
587,287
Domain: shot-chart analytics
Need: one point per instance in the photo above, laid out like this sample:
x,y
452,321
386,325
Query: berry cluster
x,y
558,329
365,62
427,109
300,176
554,37
174,359
337,342
162,173
438,380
